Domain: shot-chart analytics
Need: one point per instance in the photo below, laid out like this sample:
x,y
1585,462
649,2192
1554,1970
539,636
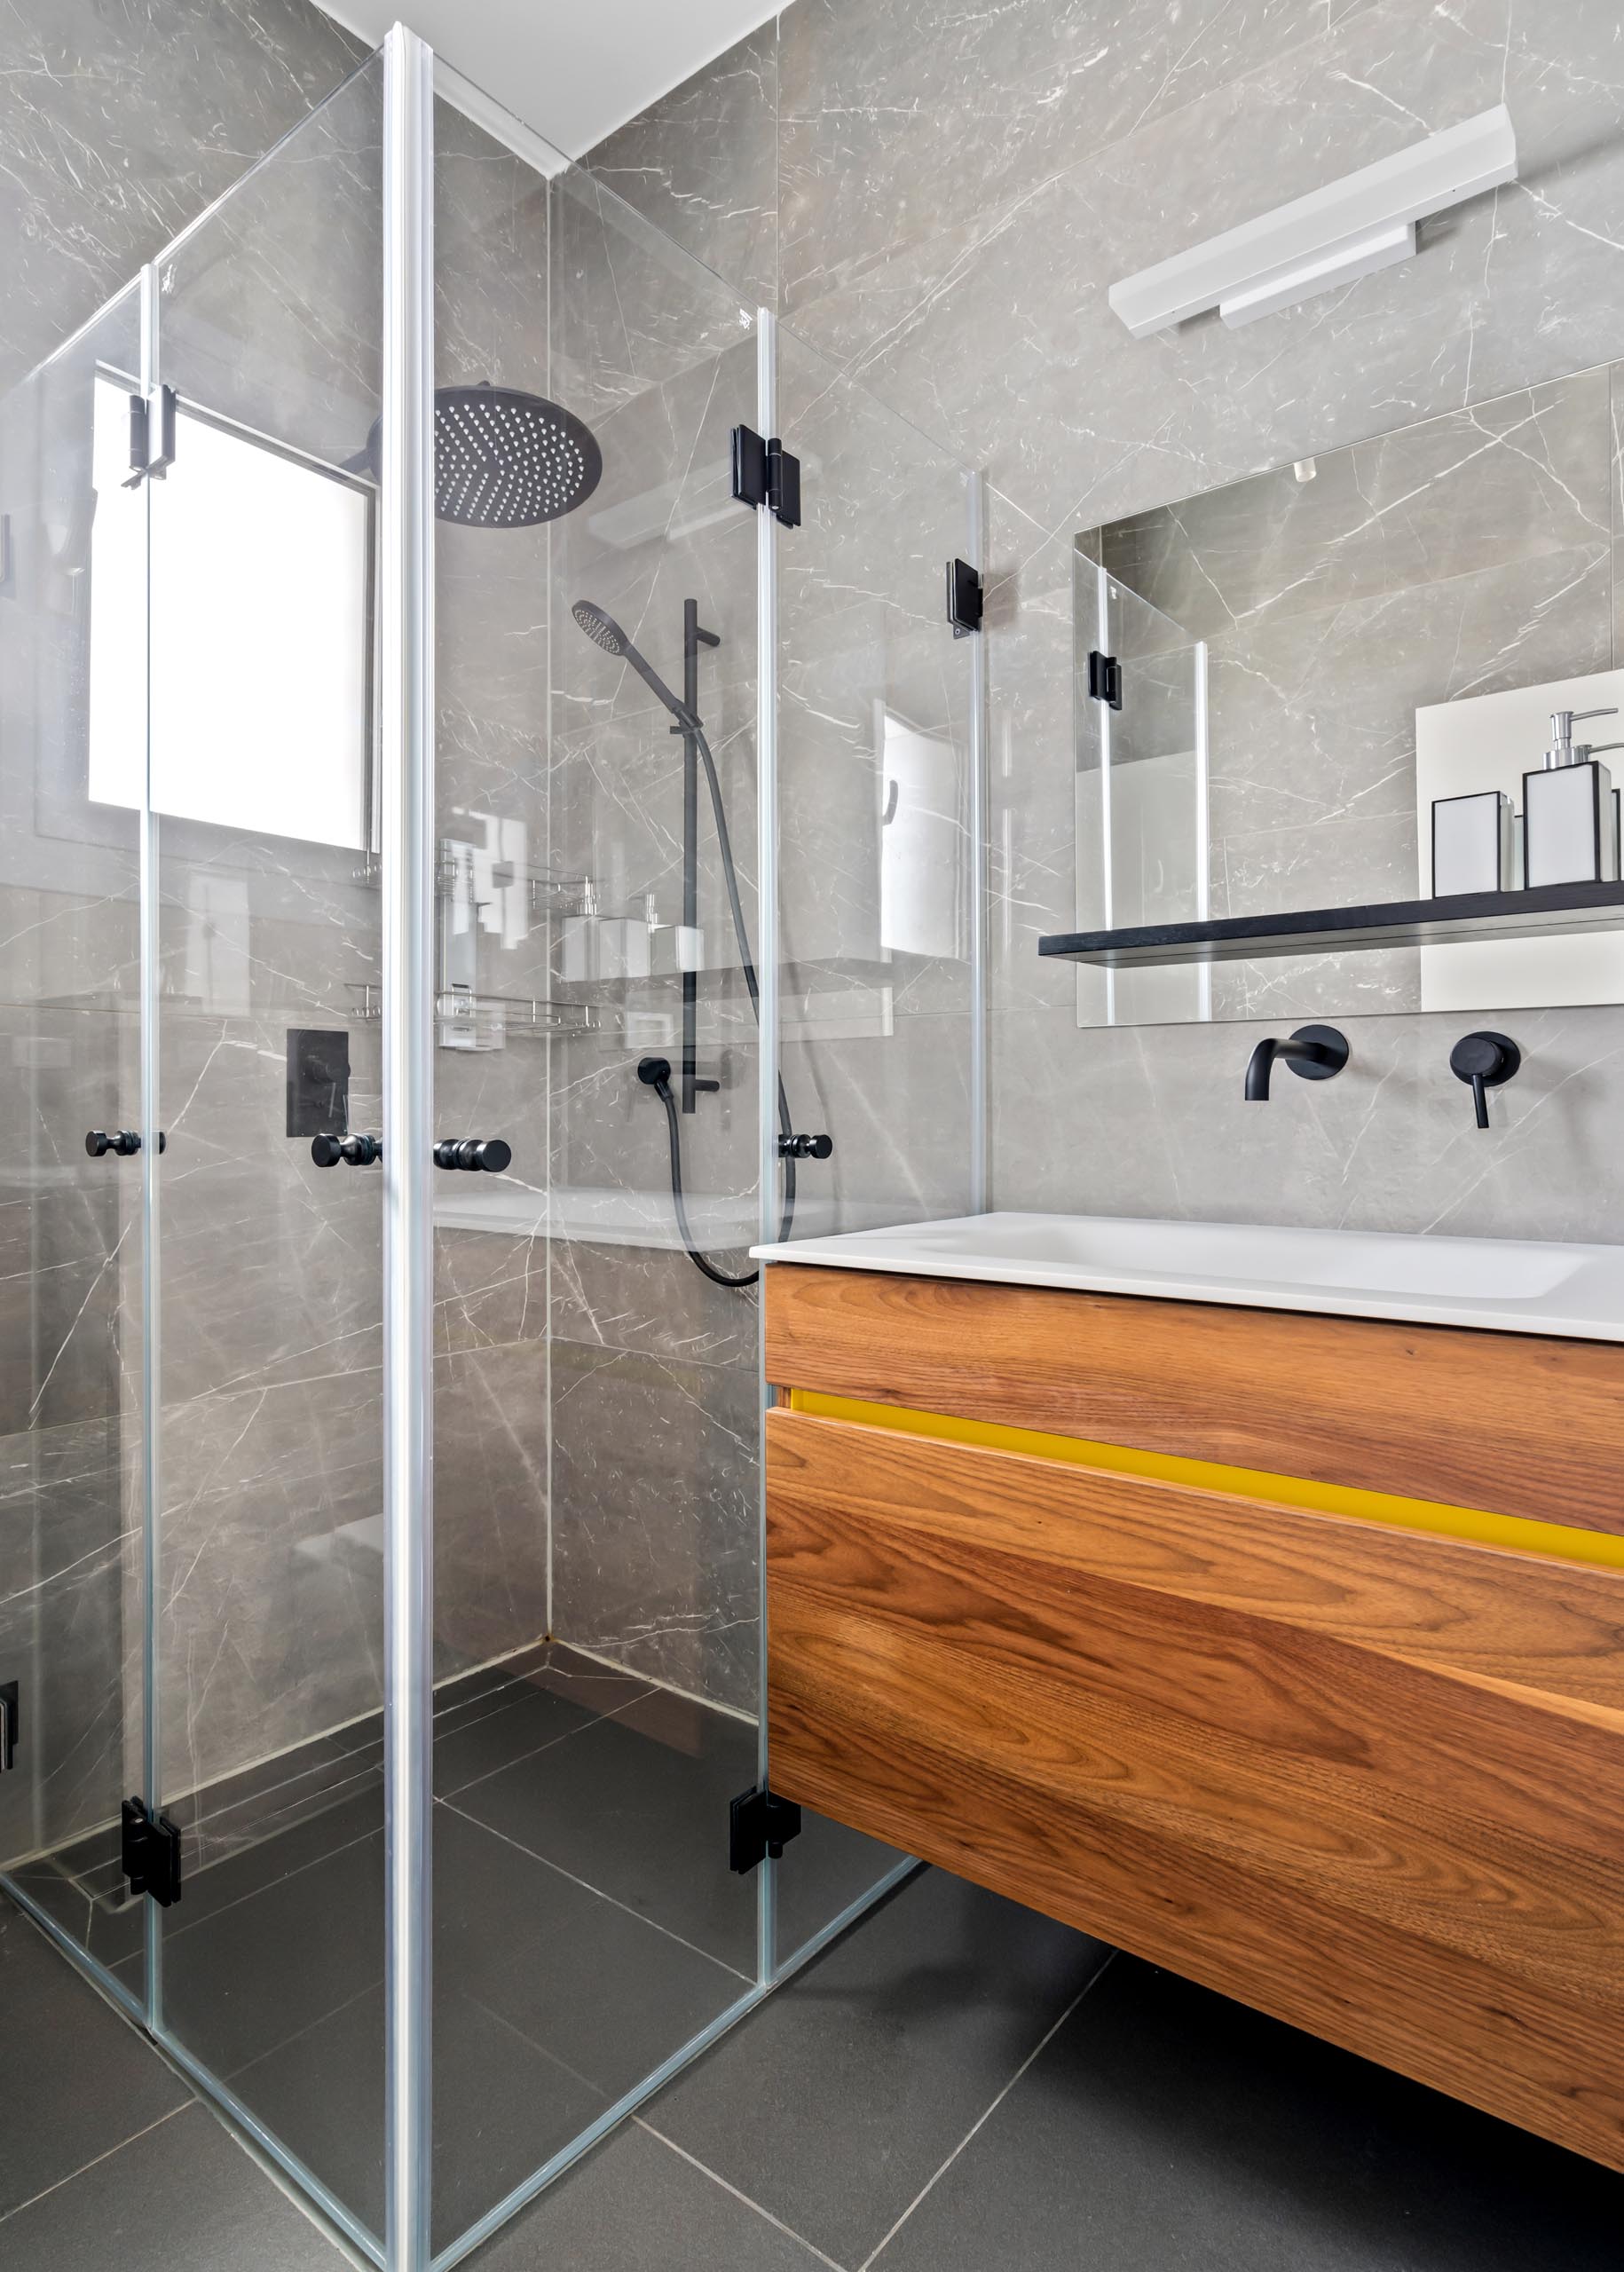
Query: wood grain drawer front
x,y
1368,1781
1519,1424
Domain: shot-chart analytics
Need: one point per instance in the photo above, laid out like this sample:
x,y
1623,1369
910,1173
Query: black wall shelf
x,y
1550,911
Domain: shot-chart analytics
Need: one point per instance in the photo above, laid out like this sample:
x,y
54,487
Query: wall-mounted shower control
x,y
1484,1060
354,1151
123,1143
474,1155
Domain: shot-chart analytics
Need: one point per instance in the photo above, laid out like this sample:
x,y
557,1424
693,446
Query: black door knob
x,y
1484,1060
354,1151
123,1142
805,1147
489,1154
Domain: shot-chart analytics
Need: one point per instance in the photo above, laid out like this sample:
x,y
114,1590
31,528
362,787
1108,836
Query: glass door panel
x,y
72,669
877,877
597,1574
269,1470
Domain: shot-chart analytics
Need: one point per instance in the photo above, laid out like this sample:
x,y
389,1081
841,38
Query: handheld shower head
x,y
601,628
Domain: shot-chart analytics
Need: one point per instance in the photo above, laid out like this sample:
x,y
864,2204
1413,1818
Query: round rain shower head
x,y
602,629
505,460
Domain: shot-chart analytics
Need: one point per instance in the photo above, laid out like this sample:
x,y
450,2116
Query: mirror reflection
x,y
1351,681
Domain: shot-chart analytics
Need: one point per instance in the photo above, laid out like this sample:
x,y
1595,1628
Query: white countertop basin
x,y
1501,1285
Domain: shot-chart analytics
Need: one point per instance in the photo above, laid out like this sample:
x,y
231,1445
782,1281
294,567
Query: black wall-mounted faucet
x,y
1314,1052
1485,1059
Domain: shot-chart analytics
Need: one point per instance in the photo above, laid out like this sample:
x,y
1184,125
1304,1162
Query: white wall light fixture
x,y
1333,236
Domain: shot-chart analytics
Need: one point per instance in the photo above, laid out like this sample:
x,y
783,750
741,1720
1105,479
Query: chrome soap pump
x,y
1570,809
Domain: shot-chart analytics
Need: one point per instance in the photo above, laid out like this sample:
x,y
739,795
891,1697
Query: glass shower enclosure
x,y
454,845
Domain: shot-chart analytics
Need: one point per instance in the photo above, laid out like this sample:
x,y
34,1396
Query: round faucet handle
x,y
1485,1061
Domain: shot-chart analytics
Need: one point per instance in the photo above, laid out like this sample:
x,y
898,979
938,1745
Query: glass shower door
x,y
596,1397
72,685
877,859
269,1488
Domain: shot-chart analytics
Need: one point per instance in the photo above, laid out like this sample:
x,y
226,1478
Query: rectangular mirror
x,y
1276,681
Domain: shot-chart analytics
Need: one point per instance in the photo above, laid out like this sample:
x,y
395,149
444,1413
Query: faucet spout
x,y
1314,1052
1260,1065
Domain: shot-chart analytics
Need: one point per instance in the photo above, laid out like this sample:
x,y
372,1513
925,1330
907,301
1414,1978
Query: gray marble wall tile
x,y
490,1501
645,1297
701,164
654,1494
1074,418
122,124
1385,1147
63,1544
892,116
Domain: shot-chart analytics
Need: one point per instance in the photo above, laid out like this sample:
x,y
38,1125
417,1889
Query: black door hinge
x,y
151,1858
11,1706
765,473
152,443
966,597
759,1824
1105,679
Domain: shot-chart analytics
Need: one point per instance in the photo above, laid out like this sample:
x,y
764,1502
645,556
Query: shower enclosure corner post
x,y
767,958
152,1388
406,771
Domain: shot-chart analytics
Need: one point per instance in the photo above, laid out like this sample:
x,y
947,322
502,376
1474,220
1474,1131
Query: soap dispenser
x,y
1570,809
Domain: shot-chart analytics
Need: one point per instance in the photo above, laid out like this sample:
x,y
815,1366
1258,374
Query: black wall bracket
x,y
1105,679
151,1858
11,1711
759,1824
965,598
765,473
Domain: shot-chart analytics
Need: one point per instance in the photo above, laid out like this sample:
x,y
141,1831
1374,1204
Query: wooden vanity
x,y
1285,1651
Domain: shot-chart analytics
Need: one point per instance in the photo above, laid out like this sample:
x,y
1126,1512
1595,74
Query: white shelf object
x,y
1333,236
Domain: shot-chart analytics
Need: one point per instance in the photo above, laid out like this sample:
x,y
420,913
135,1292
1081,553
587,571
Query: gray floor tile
x,y
501,2107
1167,2130
601,1990
638,1806
824,1871
559,1695
78,2081
635,2206
184,2197
243,1979
836,2102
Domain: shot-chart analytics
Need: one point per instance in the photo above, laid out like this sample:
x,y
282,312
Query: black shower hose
x,y
662,1089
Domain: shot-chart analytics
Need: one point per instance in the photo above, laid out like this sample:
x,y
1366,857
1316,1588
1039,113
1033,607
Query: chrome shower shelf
x,y
1548,910
521,1015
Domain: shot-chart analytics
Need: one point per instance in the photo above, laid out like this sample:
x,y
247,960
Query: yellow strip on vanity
x,y
1514,1532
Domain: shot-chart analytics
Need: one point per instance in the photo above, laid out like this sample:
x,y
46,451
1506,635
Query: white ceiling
x,y
571,72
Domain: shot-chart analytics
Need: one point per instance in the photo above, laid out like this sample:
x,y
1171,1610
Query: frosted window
x,y
259,629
